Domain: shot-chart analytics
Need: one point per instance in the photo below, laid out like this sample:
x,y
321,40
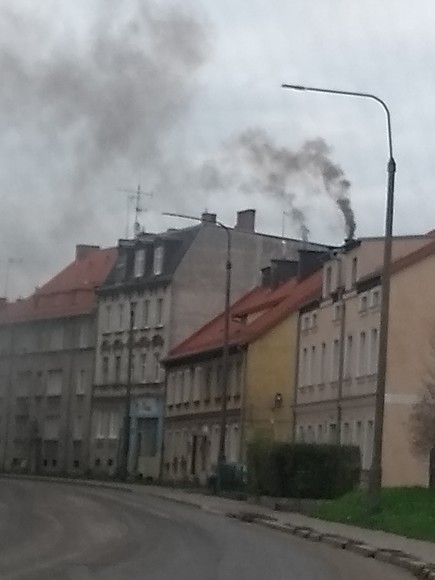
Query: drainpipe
x,y
243,404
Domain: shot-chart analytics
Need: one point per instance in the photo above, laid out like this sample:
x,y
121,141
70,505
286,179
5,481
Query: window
x,y
54,383
143,367
363,303
354,273
238,378
56,338
337,312
139,263
207,383
197,385
323,377
158,260
335,359
349,357
328,280
310,434
108,318
187,386
362,357
78,427
219,376
374,347
301,434
332,433
105,370
133,315
117,369
314,320
100,424
170,389
156,373
359,435
376,296
306,322
120,316
304,367
313,369
180,387
51,428
84,335
345,437
121,267
320,433
159,313
146,313
81,380
114,426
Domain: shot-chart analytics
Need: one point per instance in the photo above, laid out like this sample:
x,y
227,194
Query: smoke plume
x,y
83,113
253,163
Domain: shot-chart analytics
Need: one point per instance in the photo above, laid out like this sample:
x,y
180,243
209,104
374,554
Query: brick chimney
x,y
209,218
82,250
245,220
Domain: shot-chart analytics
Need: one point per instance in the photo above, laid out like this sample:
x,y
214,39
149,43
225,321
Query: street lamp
x,y
225,347
375,475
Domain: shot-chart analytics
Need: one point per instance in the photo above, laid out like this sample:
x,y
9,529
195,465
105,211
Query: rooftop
x,y
71,292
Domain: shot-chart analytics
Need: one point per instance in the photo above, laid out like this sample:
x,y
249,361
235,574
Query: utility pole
x,y
342,310
136,196
123,467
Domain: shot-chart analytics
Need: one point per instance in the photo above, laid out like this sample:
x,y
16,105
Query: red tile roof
x,y
70,293
271,306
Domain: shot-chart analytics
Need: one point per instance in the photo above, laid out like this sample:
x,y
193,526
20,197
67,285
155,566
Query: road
x,y
51,531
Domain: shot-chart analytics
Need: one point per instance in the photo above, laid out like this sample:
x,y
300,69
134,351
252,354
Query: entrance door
x,y
193,456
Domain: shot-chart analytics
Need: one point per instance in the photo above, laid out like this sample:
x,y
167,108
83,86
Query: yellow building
x,y
260,389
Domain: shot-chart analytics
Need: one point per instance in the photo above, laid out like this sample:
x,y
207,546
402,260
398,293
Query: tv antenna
x,y
136,196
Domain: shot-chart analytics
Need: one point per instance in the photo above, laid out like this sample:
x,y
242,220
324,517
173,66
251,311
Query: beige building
x,y
341,331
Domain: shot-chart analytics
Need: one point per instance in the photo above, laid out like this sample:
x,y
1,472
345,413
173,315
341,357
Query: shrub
x,y
302,470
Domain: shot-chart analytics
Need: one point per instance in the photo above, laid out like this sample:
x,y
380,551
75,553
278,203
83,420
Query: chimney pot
x,y
246,220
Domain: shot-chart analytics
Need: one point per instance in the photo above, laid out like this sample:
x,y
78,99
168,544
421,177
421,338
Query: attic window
x,y
139,263
158,261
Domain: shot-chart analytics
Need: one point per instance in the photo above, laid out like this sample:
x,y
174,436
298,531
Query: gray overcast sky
x,y
96,96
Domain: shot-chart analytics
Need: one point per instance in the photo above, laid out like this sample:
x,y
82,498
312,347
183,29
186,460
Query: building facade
x,y
162,288
47,352
338,355
260,390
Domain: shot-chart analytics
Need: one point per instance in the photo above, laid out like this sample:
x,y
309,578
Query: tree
x,y
422,419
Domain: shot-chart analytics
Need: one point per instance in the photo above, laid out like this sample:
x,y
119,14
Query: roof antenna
x,y
136,196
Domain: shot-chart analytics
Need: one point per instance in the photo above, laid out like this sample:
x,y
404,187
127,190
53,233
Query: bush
x,y
302,470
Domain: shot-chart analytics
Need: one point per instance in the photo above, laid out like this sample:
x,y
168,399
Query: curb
x,y
397,558
65,480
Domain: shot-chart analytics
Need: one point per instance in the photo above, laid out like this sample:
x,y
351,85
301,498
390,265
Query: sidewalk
x,y
424,551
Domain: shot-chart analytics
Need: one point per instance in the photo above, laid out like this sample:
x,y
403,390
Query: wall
x,y
199,283
410,358
270,369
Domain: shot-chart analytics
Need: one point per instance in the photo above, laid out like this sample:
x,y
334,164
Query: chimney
x,y
208,218
266,277
310,261
246,220
283,270
82,250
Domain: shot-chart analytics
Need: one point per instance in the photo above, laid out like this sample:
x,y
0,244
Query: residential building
x,y
260,387
338,353
162,288
47,351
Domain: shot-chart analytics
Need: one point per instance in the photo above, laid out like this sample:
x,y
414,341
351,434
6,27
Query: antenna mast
x,y
136,196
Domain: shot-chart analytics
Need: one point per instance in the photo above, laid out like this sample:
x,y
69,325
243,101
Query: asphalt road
x,y
52,531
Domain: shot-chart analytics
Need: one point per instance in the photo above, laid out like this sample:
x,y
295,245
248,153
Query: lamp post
x,y
225,346
375,475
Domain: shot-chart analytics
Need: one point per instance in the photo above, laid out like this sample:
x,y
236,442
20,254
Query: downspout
x,y
342,307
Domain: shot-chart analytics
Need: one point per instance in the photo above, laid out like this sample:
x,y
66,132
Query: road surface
x,y
52,531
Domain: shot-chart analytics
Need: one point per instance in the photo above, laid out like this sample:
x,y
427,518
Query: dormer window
x,y
158,260
139,263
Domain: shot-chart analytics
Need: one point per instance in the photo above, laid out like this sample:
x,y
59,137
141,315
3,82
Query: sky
x,y
98,96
